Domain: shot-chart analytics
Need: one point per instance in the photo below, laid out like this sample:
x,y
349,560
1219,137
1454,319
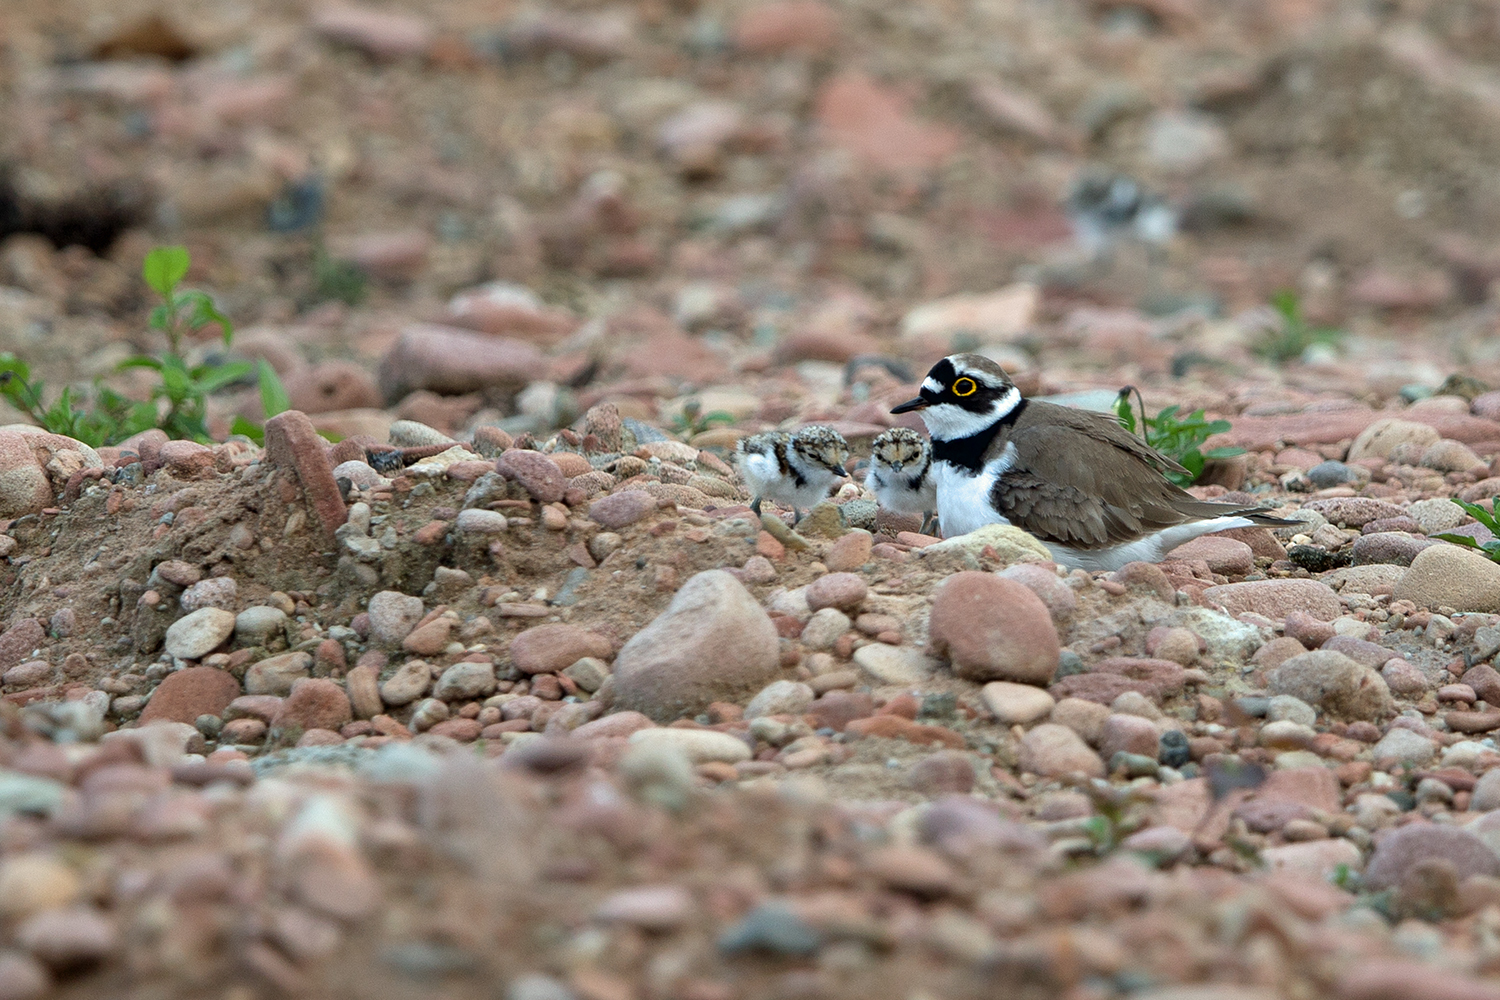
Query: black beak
x,y
911,404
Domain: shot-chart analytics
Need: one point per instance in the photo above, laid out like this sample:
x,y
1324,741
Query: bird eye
x,y
965,387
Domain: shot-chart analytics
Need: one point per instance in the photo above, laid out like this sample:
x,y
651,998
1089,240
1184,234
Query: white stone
x,y
1016,704
200,633
701,746
894,664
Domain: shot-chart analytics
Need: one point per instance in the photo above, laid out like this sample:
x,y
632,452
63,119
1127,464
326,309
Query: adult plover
x,y
900,474
1089,490
793,469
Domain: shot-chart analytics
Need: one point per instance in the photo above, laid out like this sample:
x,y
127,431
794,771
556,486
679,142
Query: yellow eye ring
x,y
965,387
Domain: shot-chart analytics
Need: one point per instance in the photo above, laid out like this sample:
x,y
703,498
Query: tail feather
x,y
1205,509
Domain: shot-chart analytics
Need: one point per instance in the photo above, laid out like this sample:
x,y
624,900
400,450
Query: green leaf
x,y
273,397
205,313
255,432
217,377
1465,540
1228,451
163,268
139,361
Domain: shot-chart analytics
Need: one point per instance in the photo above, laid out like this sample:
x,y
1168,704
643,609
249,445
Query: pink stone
x,y
315,703
622,509
844,591
993,629
451,361
378,33
187,459
1276,599
535,471
1223,555
616,724
1130,734
293,445
1055,751
547,649
807,26
189,693
1042,581
850,552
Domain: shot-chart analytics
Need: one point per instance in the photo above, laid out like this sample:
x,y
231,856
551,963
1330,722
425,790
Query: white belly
x,y
963,498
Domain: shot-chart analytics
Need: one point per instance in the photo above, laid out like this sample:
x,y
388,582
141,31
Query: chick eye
x,y
965,387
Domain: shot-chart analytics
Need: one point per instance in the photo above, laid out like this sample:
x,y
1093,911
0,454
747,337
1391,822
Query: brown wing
x,y
1080,479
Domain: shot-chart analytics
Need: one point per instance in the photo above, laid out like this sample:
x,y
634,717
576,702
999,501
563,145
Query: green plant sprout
x,y
179,401
1296,334
1490,548
1174,436
692,420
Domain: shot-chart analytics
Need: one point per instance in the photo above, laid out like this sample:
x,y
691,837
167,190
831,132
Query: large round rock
x,y
993,629
1333,682
713,643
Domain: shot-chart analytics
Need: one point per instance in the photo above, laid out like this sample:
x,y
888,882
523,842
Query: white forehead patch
x,y
931,384
983,378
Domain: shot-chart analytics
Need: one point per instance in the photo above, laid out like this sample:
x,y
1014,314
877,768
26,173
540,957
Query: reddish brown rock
x,y
1277,598
547,649
1223,555
993,629
535,471
292,444
807,26
315,703
187,694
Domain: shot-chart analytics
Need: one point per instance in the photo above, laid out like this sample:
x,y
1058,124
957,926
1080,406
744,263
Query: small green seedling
x,y
1490,548
1176,437
1296,334
179,401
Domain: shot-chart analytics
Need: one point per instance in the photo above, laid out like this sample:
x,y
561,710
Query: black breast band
x,y
968,452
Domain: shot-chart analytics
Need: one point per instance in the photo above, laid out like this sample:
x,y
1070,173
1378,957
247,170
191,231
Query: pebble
x,y
1486,794
259,626
1055,751
465,681
713,643
1396,548
276,674
314,703
1227,556
536,472
1016,704
903,665
700,746
1384,436
411,681
844,591
620,510
1403,748
68,937
774,928
651,908
1449,576
1437,515
780,698
992,628
849,552
22,977
824,628
548,649
1059,598
194,636
33,882
1335,683
187,694
215,592
1275,599
1397,851
393,615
